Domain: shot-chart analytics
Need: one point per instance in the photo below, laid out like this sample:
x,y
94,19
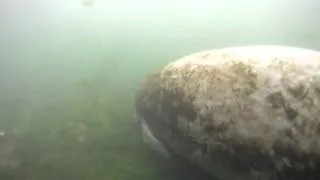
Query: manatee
x,y
238,113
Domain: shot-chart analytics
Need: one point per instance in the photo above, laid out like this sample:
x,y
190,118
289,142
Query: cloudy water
x,y
69,70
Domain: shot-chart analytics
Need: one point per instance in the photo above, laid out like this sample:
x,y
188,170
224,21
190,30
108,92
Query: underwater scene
x,y
70,71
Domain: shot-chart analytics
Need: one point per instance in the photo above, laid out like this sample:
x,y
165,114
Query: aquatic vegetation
x,y
90,135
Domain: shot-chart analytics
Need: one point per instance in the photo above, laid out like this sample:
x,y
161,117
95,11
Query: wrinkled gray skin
x,y
240,113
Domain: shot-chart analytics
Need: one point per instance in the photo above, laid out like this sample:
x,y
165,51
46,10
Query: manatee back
x,y
239,113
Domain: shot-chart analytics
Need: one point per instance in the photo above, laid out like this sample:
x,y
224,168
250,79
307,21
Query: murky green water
x,y
68,75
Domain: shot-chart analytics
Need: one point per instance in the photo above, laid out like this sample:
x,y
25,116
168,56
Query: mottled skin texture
x,y
242,113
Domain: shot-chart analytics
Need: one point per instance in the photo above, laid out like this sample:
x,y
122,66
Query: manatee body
x,y
239,113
